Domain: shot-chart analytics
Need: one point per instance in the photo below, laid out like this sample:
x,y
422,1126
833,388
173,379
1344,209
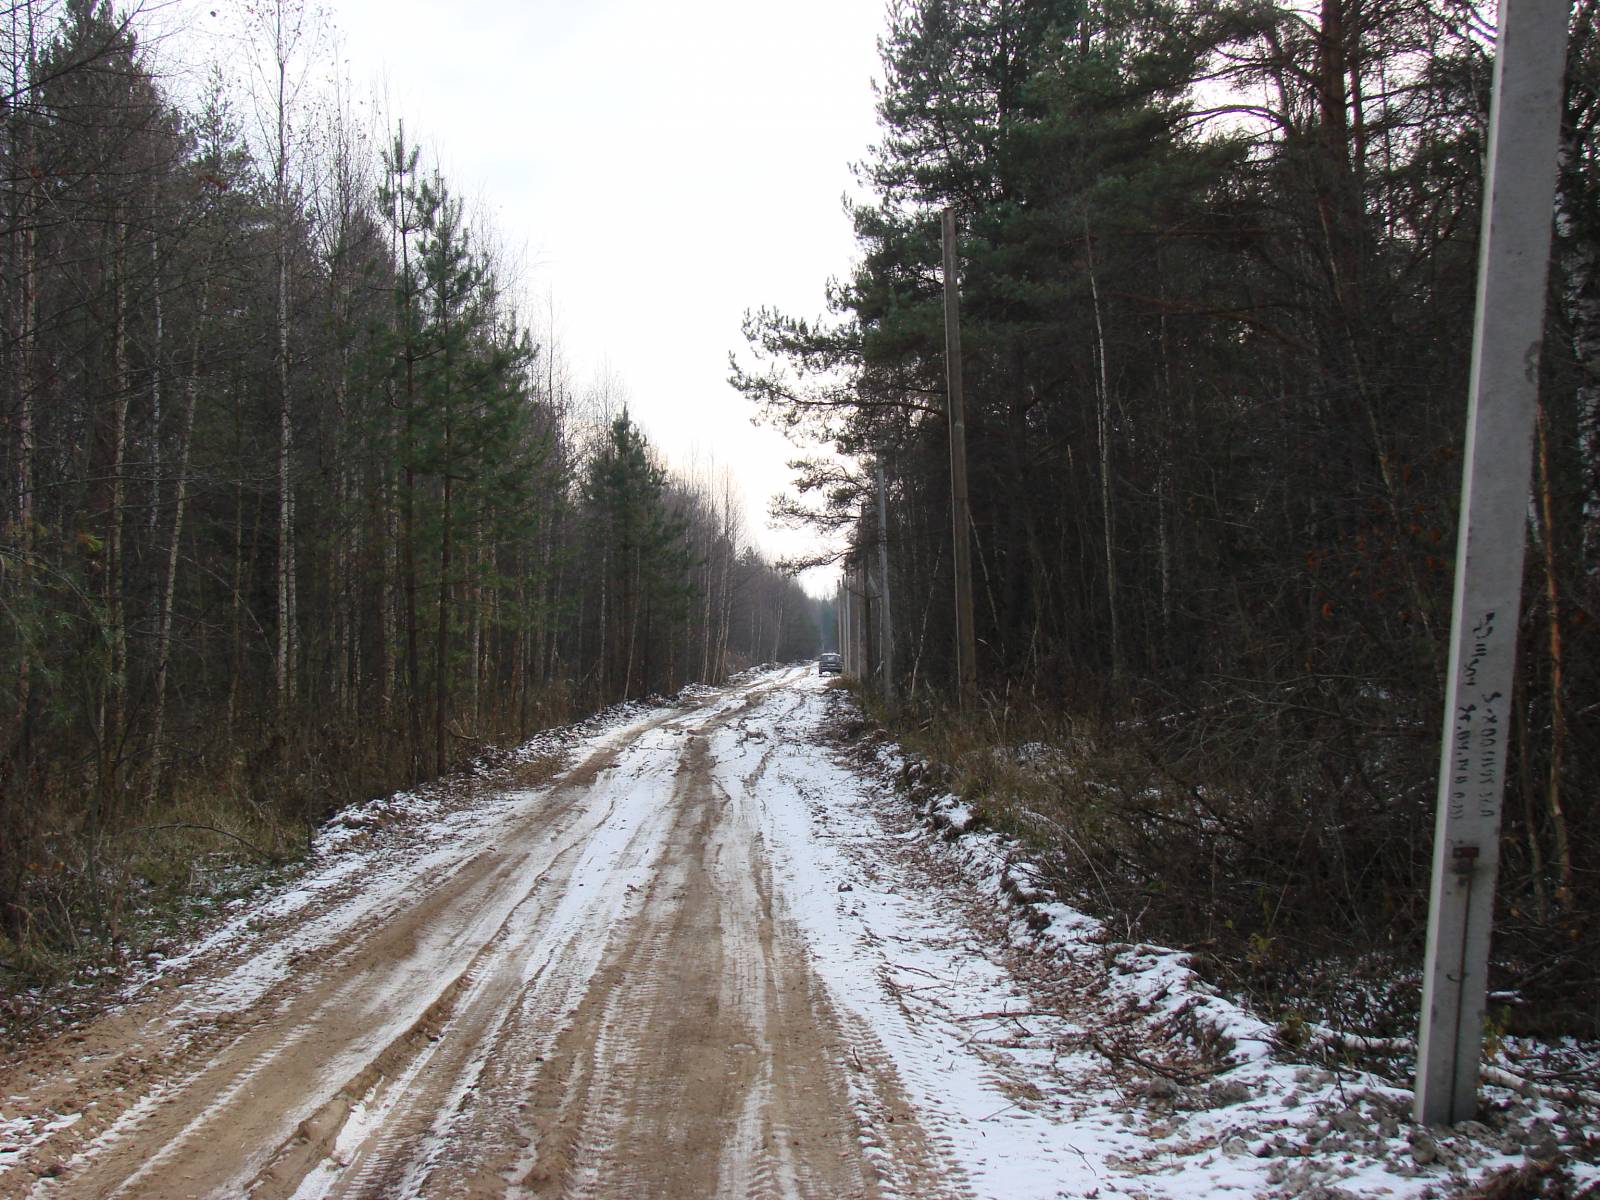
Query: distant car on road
x,y
830,664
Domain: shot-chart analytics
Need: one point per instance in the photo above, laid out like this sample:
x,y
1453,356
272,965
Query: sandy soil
x,y
593,997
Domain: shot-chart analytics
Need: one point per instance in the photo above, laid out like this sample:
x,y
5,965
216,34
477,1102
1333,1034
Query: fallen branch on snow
x,y
1177,1074
1535,1090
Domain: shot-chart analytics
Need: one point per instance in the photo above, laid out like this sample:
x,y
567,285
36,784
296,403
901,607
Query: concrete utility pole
x,y
839,620
886,654
1513,262
846,650
863,629
868,649
855,650
960,518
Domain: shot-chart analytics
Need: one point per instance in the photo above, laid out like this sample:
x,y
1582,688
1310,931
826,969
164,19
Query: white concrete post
x,y
1513,263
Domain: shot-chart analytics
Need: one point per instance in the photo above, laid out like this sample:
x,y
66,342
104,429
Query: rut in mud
x,y
712,958
598,995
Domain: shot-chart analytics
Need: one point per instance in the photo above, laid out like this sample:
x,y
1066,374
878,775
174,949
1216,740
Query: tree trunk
x,y
169,585
156,365
1558,710
236,599
408,499
1103,426
603,644
23,335
113,725
283,660
886,637
408,521
441,662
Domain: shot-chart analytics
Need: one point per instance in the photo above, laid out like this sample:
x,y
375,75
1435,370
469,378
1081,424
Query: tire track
x,y
595,997
299,1041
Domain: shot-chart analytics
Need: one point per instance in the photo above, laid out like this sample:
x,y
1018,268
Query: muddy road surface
x,y
598,989
713,954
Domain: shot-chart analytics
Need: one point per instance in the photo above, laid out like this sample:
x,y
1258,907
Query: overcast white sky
x,y
662,167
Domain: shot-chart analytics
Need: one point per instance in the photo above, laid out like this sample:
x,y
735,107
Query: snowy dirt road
x,y
709,958
595,990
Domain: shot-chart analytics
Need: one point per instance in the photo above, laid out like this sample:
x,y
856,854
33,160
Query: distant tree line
x,y
1217,281
297,506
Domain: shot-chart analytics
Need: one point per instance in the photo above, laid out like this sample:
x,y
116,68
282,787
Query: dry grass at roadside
x,y
1288,875
99,905
1204,865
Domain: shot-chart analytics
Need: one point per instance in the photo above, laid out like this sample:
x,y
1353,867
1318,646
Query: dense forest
x,y
298,504
1217,263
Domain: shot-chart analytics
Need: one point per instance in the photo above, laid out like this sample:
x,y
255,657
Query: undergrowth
x,y
99,903
135,878
1292,873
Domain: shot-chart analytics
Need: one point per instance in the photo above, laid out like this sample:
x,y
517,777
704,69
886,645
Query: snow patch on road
x,y
374,853
18,1135
877,943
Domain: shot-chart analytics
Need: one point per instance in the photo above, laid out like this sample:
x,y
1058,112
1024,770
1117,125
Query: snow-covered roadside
x,y
987,1042
1036,1099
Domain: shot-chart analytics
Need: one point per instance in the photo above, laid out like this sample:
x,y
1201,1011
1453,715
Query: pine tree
x,y
641,546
